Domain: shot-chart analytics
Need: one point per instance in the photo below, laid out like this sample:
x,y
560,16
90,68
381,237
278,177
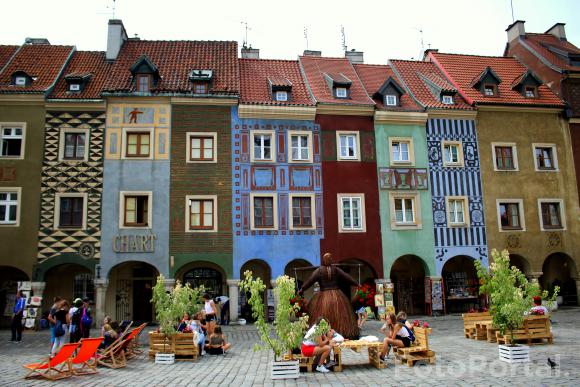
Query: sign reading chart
x,y
134,243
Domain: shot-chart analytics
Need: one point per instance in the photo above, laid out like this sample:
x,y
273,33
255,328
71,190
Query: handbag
x,y
86,319
59,329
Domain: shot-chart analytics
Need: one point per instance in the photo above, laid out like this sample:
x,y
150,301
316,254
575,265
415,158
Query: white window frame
x,y
272,135
18,125
57,198
416,203
356,134
562,213
361,197
279,93
312,211
62,144
460,161
188,137
274,197
554,155
149,195
74,87
339,95
306,133
514,156
520,204
447,100
188,200
391,100
20,81
151,132
409,141
18,191
465,201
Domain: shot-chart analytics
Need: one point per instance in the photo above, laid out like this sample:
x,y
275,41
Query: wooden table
x,y
373,348
485,331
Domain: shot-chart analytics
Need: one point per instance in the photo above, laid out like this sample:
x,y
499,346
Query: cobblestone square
x,y
460,361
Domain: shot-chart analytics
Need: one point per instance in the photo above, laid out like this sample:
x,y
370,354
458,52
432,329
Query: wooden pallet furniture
x,y
484,330
470,321
535,330
304,362
180,344
419,350
373,348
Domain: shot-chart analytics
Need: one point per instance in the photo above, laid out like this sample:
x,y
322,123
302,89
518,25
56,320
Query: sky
x,y
383,30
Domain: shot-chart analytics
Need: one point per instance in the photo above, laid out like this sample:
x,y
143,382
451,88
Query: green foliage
x,y
510,293
288,334
322,328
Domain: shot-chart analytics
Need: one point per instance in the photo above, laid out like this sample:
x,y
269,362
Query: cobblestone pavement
x,y
460,361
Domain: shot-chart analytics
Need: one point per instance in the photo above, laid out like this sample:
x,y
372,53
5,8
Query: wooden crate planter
x,y
164,358
289,369
515,354
180,346
159,343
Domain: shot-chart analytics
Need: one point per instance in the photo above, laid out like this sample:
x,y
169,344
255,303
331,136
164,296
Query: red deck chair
x,y
56,368
85,362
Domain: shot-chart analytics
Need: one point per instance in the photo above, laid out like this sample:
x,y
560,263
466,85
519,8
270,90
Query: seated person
x,y
109,336
116,327
197,326
397,335
184,324
315,346
106,321
218,344
538,308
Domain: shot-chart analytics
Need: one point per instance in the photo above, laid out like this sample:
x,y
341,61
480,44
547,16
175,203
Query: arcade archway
x,y
408,278
9,278
259,269
559,270
461,284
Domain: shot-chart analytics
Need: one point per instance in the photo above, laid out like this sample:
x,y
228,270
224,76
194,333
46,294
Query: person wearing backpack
x,y
74,320
399,335
86,319
60,321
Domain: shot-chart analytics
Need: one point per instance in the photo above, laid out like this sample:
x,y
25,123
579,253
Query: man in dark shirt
x,y
18,312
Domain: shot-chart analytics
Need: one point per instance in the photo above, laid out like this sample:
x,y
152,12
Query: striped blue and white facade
x,y
456,181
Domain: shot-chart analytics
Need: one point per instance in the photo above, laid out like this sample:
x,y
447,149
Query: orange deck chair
x,y
85,362
56,368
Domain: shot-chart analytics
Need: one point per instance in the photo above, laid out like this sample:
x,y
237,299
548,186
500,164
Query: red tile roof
x,y
257,74
315,70
6,53
540,44
44,62
175,60
462,69
416,76
374,76
83,63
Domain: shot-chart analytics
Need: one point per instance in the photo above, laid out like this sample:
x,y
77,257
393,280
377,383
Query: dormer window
x,y
145,73
389,93
338,84
281,96
143,83
20,78
489,90
531,92
201,80
280,88
447,99
74,87
527,84
341,92
200,87
391,100
20,81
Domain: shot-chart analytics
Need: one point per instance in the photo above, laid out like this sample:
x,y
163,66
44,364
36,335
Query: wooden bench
x,y
470,321
419,350
536,329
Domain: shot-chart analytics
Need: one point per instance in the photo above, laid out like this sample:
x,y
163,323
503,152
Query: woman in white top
x,y
398,335
210,310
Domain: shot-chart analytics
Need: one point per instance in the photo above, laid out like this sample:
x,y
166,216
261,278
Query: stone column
x,y
101,285
169,284
577,280
534,276
233,293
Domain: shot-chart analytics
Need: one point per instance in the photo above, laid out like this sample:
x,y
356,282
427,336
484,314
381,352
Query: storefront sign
x,y
134,243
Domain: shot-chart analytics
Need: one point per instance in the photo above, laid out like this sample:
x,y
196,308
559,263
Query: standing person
x,y
74,320
210,310
18,312
52,319
330,301
61,317
224,303
86,319
362,316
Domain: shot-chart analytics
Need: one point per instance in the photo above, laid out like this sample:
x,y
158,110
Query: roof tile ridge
x,y
407,88
50,89
472,55
306,83
362,84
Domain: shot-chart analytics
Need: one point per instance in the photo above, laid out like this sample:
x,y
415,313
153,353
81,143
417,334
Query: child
x,y
362,316
315,346
218,344
197,326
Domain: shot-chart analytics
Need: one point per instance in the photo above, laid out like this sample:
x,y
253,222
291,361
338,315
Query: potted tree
x,y
288,328
511,297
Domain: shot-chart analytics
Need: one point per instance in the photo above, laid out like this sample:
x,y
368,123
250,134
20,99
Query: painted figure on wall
x,y
330,301
133,115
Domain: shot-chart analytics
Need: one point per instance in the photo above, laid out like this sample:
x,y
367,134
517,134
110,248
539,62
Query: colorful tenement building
x,y
181,159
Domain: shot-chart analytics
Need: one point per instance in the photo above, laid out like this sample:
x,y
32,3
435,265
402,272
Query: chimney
x,y
558,31
250,53
116,36
515,30
354,57
36,41
312,53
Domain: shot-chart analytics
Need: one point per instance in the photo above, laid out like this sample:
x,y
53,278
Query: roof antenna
x,y
306,37
420,29
512,6
343,38
110,10
245,43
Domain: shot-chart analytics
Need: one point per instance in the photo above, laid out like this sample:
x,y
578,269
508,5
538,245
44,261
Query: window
x,y
341,92
138,144
300,146
143,83
505,157
401,150
551,214
263,148
12,141
405,211
489,90
71,212
457,211
74,87
74,146
447,99
302,211
452,154
351,213
202,213
509,216
20,81
264,211
391,100
200,87
9,206
136,209
545,157
348,145
282,96
530,92
202,147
